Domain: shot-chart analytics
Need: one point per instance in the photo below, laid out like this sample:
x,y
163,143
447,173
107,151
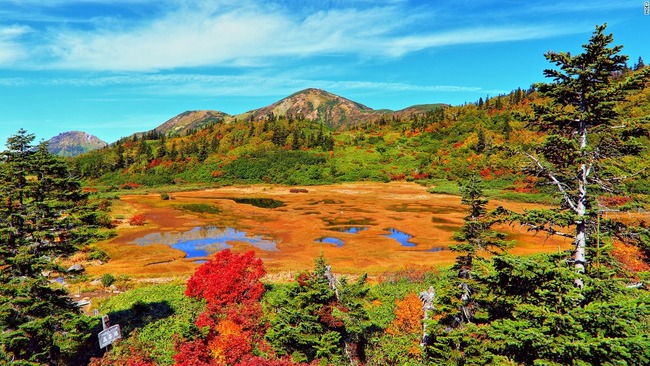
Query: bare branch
x,y
550,175
548,230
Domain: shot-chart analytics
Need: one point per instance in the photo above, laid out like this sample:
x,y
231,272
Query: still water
x,y
202,241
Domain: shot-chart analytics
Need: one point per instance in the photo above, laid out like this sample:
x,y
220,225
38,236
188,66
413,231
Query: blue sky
x,y
114,67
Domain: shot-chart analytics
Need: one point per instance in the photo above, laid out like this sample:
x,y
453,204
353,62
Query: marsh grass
x,y
201,208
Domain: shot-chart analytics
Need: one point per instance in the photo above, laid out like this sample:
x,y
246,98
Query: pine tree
x,y
584,136
480,144
476,236
44,216
639,64
319,317
162,150
173,153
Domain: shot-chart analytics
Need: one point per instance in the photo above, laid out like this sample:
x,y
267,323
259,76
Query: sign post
x,y
109,335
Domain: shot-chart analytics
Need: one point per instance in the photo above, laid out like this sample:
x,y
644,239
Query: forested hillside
x,y
444,143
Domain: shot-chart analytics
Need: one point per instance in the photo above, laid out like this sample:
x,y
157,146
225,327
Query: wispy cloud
x,y
254,33
228,85
10,47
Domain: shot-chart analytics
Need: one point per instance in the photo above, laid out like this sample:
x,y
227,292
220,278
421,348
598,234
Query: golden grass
x,y
429,218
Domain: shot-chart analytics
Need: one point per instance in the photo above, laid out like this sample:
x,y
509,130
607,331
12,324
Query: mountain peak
x,y
73,143
317,105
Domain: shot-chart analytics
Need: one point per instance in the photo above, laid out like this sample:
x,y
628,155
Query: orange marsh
x,y
295,228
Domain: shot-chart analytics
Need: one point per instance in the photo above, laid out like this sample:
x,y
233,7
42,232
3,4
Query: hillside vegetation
x,y
433,144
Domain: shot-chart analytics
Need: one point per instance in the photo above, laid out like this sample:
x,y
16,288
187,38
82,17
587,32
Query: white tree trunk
x,y
580,256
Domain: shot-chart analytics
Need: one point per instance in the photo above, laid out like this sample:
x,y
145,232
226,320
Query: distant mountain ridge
x,y
73,143
330,109
312,104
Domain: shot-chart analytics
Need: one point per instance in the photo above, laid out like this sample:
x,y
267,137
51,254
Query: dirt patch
x,y
431,220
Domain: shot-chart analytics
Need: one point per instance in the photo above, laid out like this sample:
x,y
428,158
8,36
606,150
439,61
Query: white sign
x,y
109,335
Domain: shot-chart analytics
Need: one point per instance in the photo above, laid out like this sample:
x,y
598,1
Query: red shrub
x,y
193,353
228,278
137,220
614,201
418,175
485,172
154,163
129,185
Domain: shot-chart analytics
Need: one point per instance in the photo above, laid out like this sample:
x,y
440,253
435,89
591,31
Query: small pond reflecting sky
x,y
203,241
400,236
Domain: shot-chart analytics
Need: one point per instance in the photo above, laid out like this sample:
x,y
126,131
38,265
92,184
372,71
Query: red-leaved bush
x,y
137,220
230,285
228,278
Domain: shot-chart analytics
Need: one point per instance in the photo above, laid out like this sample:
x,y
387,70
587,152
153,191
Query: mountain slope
x,y
190,120
333,110
74,143
316,105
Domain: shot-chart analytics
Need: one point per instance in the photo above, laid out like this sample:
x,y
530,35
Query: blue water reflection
x,y
400,236
329,240
349,229
203,241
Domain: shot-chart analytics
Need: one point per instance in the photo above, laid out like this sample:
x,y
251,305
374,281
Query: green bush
x,y
97,254
107,279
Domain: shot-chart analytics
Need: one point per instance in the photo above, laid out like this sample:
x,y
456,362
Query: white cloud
x,y
228,85
255,33
10,47
249,33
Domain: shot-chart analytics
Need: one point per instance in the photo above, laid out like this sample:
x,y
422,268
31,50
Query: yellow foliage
x,y
408,316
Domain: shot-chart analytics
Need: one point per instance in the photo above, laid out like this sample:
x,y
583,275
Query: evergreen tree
x,y
476,237
507,129
581,139
173,152
44,216
144,150
203,152
214,145
318,317
480,144
639,64
120,162
162,150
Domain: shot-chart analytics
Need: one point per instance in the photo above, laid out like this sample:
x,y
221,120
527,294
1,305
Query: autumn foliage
x,y
408,316
137,220
228,278
230,285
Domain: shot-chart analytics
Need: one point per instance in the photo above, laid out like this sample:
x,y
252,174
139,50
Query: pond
x,y
400,236
330,240
349,229
202,241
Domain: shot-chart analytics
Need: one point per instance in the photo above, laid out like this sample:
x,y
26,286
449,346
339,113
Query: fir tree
x,y
44,216
639,64
476,237
584,136
318,317
162,150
